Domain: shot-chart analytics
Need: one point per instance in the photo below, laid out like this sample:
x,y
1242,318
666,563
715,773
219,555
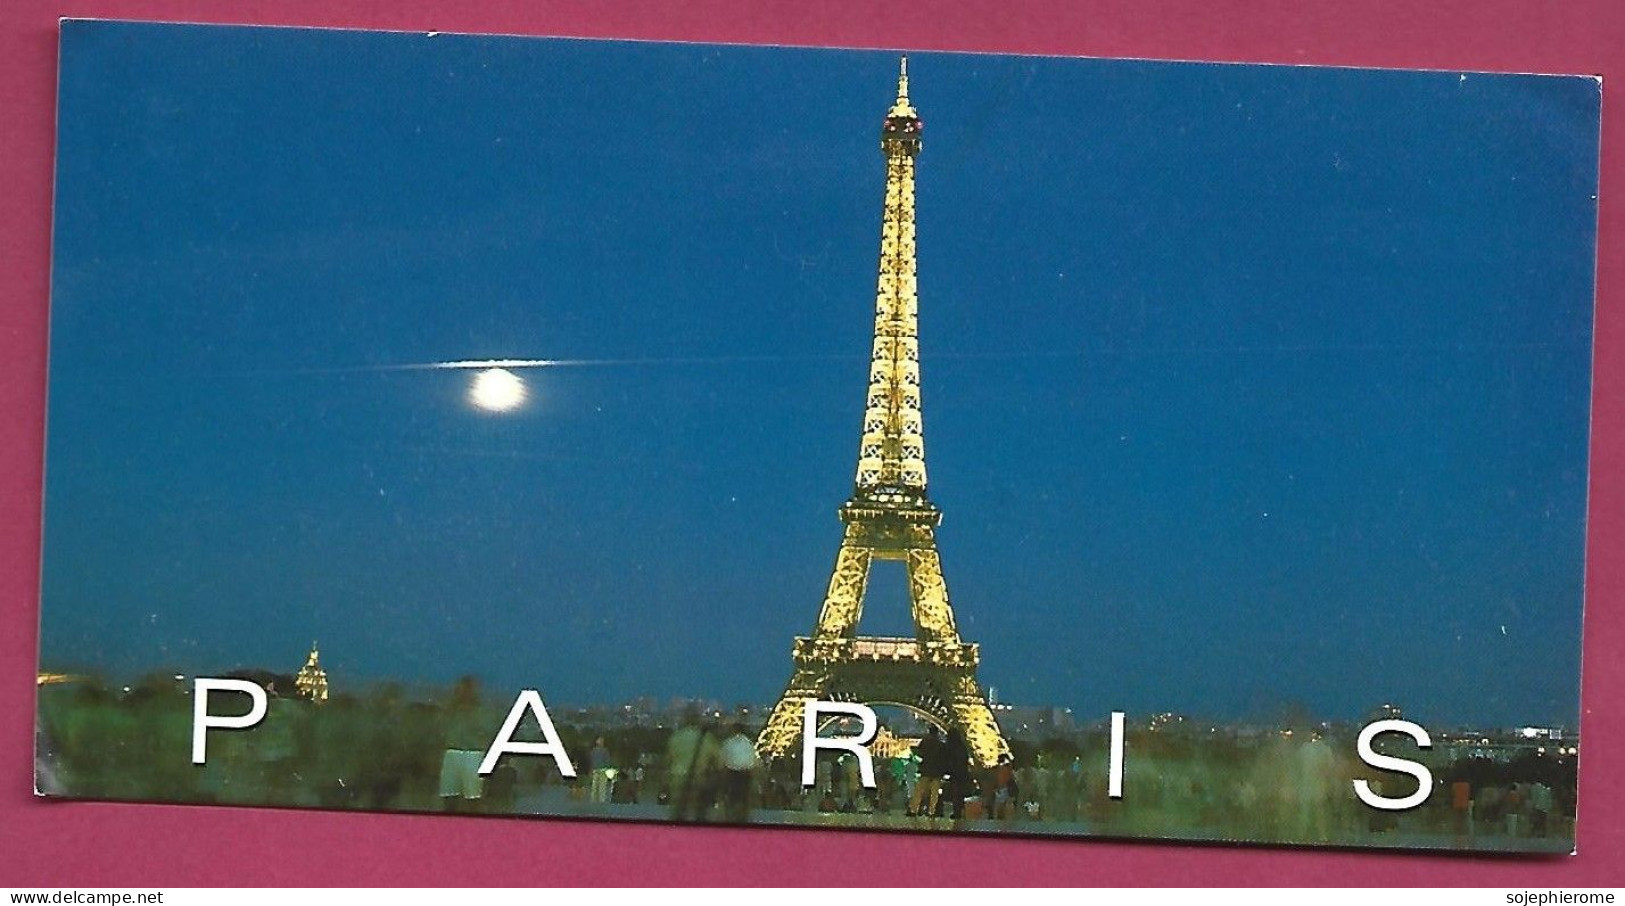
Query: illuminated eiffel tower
x,y
889,517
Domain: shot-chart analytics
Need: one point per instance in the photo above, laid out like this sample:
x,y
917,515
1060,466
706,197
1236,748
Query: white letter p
x,y
202,720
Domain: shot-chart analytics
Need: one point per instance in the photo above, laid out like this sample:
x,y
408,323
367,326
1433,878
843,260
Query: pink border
x,y
54,843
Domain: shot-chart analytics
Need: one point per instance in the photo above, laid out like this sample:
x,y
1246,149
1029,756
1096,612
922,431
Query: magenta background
x,y
86,844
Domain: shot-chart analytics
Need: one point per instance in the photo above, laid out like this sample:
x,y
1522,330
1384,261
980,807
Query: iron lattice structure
x,y
889,517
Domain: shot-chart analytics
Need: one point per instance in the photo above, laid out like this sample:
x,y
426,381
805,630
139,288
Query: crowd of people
x,y
386,752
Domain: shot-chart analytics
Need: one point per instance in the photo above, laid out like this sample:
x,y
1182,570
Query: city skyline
x,y
1244,385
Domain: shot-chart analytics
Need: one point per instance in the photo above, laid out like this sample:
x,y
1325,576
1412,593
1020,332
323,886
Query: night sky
x,y
1245,387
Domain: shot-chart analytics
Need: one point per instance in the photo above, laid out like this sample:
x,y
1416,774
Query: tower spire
x,y
891,455
902,107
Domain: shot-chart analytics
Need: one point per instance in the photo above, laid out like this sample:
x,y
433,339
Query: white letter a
x,y
528,700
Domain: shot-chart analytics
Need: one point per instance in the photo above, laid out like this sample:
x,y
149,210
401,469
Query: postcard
x,y
520,426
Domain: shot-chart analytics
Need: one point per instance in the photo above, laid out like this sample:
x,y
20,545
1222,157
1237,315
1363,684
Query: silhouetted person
x,y
691,765
460,783
956,771
384,755
602,772
933,765
739,764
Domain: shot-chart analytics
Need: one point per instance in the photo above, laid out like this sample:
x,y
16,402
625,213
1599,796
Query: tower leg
x,y
928,592
843,602
782,734
975,720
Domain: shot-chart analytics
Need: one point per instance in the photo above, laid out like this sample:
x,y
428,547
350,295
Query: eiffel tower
x,y
889,517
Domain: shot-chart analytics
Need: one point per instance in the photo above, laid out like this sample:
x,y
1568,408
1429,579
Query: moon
x,y
497,390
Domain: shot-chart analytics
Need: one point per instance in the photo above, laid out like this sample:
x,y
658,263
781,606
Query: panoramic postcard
x,y
515,426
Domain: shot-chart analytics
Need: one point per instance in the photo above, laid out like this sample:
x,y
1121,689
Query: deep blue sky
x,y
1243,385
